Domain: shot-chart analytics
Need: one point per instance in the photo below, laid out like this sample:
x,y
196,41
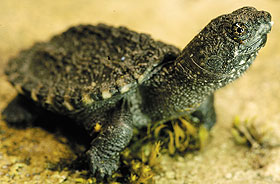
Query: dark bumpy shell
x,y
86,65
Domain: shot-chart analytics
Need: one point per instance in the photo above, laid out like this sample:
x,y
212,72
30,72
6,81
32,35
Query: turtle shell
x,y
86,65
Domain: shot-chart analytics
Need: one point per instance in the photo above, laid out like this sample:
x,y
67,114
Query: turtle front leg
x,y
20,112
104,153
206,112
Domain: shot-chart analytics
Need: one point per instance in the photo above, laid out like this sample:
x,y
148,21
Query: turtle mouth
x,y
255,46
262,32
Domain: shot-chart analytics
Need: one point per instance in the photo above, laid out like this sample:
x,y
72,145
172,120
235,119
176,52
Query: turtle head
x,y
228,45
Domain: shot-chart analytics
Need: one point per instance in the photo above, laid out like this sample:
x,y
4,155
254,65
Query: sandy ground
x,y
31,151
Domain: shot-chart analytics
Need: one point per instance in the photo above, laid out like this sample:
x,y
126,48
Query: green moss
x,y
179,136
248,132
140,161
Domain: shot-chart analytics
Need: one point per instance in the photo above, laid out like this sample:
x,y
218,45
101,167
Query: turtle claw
x,y
102,166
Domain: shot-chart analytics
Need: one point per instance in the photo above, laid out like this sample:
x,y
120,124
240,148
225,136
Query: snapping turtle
x,y
110,80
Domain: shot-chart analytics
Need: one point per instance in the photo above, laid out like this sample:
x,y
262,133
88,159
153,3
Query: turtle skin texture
x,y
110,79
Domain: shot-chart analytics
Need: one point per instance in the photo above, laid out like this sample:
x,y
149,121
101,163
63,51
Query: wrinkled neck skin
x,y
181,86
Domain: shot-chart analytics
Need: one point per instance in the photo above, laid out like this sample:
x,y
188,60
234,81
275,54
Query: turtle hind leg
x,y
206,113
20,112
104,153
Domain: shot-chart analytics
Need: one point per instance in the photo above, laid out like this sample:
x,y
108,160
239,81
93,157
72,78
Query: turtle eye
x,y
239,29
239,32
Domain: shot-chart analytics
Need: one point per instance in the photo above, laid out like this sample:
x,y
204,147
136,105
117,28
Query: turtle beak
x,y
266,23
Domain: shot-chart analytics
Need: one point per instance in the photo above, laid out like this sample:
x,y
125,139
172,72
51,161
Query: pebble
x,y
228,176
170,174
181,159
